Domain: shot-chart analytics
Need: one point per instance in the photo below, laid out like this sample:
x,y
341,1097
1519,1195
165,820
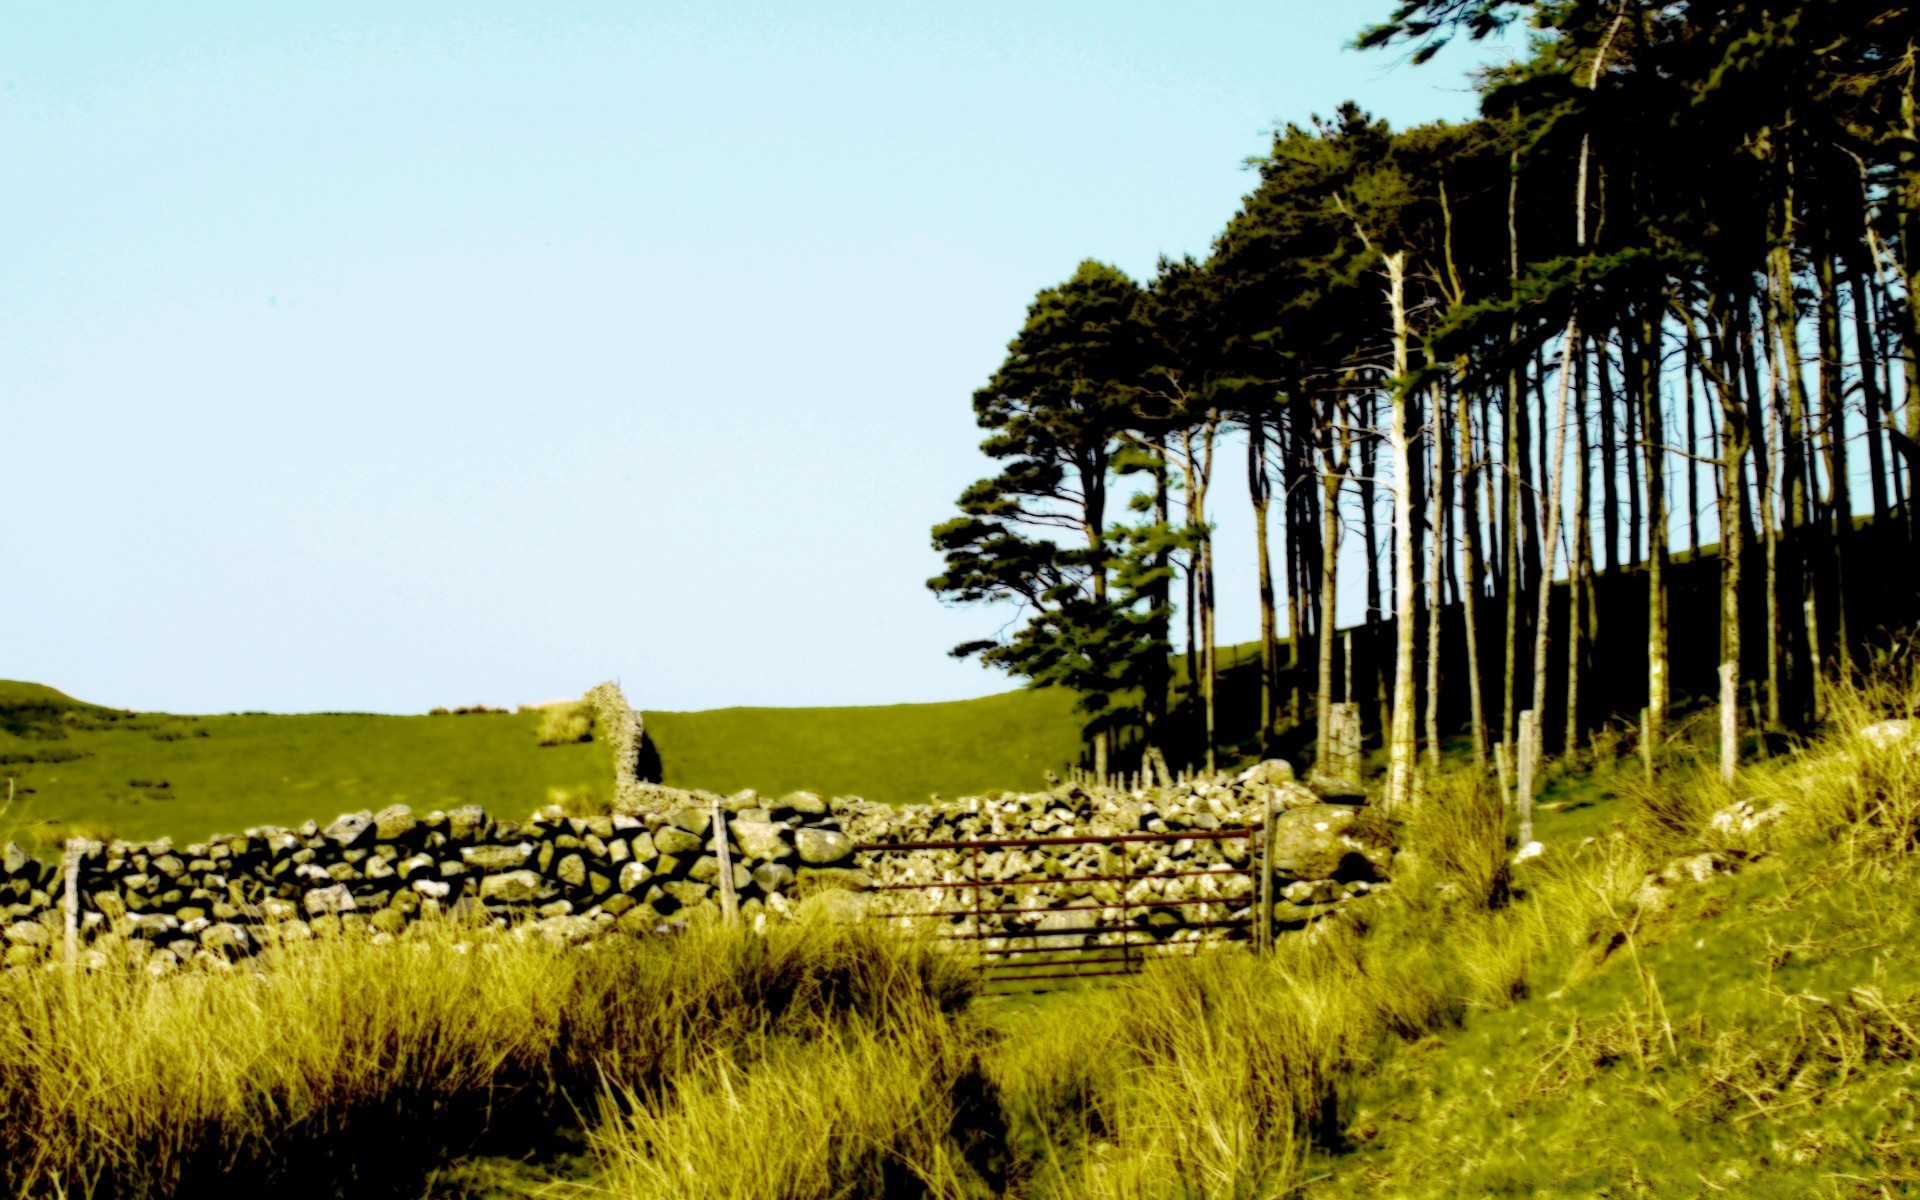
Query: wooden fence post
x,y
1266,878
1529,770
729,900
70,901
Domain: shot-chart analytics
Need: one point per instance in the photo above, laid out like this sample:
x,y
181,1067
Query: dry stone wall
x,y
666,856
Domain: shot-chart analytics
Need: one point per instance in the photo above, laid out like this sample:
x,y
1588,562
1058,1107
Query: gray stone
x,y
634,875
761,840
496,858
224,937
804,802
335,899
514,887
822,847
14,858
705,869
394,821
1065,922
29,933
641,846
673,840
691,820
465,822
1271,773
169,866
432,889
773,877
348,828
1323,841
572,870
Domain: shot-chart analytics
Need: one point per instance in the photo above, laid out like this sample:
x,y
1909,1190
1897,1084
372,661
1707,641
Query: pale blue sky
x,y
377,356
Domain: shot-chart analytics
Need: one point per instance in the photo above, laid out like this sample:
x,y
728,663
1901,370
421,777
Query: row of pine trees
x,y
1658,298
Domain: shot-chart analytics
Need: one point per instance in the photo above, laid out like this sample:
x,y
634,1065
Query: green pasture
x,y
80,767
898,753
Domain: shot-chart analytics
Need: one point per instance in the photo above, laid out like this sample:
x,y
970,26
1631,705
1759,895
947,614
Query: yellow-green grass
x,y
147,775
348,1067
899,753
81,767
1480,1028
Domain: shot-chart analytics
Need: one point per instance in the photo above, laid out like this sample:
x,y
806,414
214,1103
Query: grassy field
x,y
1655,1006
894,753
149,774
79,766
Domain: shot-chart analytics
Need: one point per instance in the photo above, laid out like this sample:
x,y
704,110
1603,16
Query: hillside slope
x,y
80,766
145,775
896,754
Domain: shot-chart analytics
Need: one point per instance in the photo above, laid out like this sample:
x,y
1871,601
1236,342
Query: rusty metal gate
x,y
1023,945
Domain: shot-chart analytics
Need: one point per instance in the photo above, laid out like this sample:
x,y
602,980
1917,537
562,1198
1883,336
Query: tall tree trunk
x,y
1693,462
1631,447
1655,423
1437,500
1470,594
1871,398
1260,490
1732,546
1609,463
1369,469
1329,582
1833,439
1400,739
1160,670
1579,557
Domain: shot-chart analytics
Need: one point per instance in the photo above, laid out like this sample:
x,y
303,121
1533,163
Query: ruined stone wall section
x,y
655,862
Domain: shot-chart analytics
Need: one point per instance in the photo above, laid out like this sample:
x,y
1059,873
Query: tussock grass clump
x,y
343,1062
566,723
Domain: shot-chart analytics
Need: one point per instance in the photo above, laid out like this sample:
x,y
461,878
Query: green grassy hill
x,y
80,767
897,753
142,775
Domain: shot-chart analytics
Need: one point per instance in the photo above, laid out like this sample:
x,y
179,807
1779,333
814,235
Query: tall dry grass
x,y
341,1063
826,1062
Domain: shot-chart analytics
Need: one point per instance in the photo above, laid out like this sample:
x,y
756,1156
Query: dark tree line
x,y
1656,303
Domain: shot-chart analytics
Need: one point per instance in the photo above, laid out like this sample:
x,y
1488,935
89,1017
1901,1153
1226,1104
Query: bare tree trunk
x,y
1260,490
1551,472
1437,496
1369,469
1655,423
1330,474
1609,463
1693,476
1732,531
1400,741
1579,559
1833,438
1470,594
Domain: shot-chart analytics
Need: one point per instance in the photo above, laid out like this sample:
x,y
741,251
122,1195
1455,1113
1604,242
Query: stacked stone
x,y
373,872
1324,855
668,856
28,889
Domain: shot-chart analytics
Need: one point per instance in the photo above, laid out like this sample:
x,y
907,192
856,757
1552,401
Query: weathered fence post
x,y
70,900
729,901
1343,745
1266,878
1529,770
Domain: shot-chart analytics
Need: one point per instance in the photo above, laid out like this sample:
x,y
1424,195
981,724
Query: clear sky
x,y
377,356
